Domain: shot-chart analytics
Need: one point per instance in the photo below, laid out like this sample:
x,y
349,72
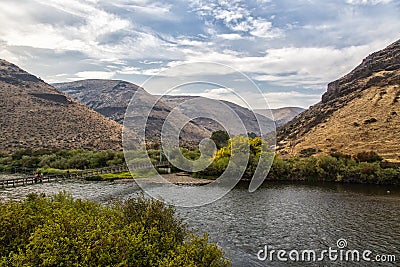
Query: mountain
x,y
36,115
210,108
112,97
281,115
358,112
108,97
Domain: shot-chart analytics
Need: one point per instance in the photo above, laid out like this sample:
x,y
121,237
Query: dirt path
x,y
175,178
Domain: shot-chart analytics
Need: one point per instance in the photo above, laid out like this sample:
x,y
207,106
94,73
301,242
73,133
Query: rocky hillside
x,y
33,114
359,112
108,97
112,97
281,115
211,108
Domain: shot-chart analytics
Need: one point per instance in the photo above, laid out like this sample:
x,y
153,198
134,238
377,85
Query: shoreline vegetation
x,y
364,168
62,231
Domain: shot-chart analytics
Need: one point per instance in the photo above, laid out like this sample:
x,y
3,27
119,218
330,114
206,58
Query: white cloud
x,y
22,29
368,2
263,29
123,36
236,17
292,98
95,75
293,66
307,67
140,71
216,91
149,62
263,101
230,36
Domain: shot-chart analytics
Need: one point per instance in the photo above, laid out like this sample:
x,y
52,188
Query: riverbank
x,y
174,178
10,176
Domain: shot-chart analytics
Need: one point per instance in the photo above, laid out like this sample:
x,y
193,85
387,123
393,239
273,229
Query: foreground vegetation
x,y
61,231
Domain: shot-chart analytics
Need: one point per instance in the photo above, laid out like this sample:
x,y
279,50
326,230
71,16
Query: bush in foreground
x,y
61,231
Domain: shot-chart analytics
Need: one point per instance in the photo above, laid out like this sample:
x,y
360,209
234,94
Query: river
x,y
281,216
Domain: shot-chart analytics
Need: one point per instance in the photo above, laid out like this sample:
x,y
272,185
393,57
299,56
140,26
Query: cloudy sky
x,y
290,48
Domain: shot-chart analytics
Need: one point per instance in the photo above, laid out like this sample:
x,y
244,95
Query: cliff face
x,y
385,62
358,112
34,114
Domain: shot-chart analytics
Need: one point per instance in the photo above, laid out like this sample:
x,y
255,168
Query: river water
x,y
281,216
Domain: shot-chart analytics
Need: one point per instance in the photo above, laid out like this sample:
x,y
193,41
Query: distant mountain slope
x,y
252,121
108,97
359,112
112,97
281,115
34,114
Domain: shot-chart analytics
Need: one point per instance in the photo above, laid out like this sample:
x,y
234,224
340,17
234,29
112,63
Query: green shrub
x,y
94,178
61,231
307,152
370,156
220,138
115,176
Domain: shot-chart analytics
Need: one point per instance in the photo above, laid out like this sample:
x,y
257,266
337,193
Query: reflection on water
x,y
282,216
97,191
287,216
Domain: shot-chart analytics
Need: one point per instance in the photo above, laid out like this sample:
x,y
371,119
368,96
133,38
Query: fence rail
x,y
32,179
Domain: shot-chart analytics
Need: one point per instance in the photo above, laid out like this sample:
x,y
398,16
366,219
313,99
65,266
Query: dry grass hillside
x,y
359,112
36,115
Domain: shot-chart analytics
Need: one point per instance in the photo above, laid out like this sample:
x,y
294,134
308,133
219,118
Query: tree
x,y
370,156
252,135
220,138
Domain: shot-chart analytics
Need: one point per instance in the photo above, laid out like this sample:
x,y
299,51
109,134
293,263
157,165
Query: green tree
x,y
220,138
369,156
